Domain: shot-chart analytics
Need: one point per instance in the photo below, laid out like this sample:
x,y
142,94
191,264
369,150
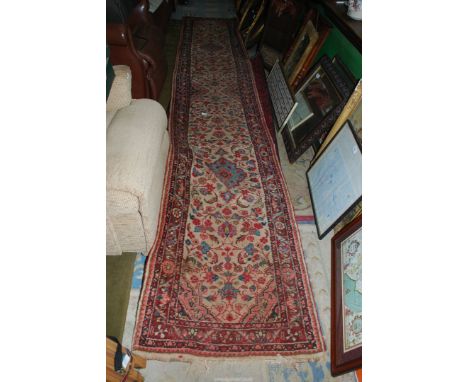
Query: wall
x,y
337,43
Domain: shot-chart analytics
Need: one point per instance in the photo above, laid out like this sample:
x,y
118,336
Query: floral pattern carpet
x,y
226,277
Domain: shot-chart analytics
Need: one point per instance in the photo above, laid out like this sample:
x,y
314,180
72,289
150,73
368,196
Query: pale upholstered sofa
x,y
137,148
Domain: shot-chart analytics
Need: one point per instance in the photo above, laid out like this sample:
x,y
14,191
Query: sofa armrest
x,y
121,91
117,34
137,148
140,14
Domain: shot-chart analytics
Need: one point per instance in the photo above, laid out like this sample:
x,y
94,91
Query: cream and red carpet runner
x,y
226,277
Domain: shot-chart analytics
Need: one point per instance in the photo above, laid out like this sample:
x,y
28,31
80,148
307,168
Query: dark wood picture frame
x,y
321,234
344,72
341,361
318,128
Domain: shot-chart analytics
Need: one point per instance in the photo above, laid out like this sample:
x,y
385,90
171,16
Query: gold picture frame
x,y
303,45
252,33
251,6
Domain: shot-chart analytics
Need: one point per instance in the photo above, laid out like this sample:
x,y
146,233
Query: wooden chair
x,y
135,41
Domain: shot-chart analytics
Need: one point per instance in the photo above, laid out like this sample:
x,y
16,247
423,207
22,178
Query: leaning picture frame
x,y
335,180
348,111
249,14
307,52
251,22
352,111
282,99
346,299
320,100
283,20
302,46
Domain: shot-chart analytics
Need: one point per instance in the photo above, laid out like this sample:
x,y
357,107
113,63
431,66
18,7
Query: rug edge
x,y
190,357
142,300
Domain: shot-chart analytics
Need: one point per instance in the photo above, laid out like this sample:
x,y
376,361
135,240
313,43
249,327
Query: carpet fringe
x,y
204,361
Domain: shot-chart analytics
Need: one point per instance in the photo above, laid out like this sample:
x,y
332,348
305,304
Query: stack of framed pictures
x,y
252,20
320,100
335,184
352,111
311,37
283,20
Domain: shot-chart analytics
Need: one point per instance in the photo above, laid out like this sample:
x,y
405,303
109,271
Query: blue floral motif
x,y
228,291
249,248
227,172
205,247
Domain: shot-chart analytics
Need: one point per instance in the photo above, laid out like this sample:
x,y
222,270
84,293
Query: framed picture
x,y
356,120
303,44
335,180
253,33
308,42
346,299
344,72
251,12
320,101
352,111
280,94
284,18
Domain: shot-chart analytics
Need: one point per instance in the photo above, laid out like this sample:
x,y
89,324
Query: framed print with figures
x,y
346,299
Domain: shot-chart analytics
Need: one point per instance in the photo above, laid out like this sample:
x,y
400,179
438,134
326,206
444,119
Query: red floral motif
x,y
226,276
168,267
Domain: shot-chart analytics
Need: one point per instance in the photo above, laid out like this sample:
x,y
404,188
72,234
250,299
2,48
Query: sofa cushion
x,y
133,139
